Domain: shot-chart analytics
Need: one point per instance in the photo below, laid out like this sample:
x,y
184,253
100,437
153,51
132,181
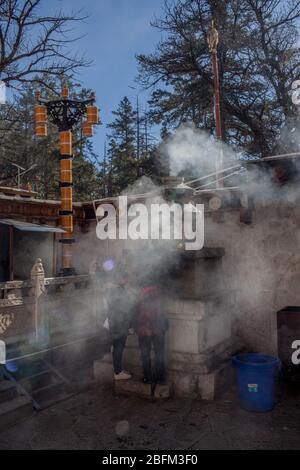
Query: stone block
x,y
183,336
213,331
212,385
183,308
206,386
133,387
183,385
194,308
162,391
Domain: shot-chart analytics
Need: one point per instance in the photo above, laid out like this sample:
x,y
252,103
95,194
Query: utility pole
x,y
104,171
213,41
21,171
146,132
65,114
137,128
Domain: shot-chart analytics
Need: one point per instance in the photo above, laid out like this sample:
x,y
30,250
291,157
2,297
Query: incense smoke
x,y
193,151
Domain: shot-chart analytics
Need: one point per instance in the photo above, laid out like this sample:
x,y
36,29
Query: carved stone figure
x,y
6,320
37,275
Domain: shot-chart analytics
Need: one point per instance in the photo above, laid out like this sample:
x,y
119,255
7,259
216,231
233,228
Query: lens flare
x,y
108,265
11,366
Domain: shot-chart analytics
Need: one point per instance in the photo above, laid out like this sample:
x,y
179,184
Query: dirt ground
x,y
95,419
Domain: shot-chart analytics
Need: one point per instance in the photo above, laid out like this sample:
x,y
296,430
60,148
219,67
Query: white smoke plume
x,y
193,151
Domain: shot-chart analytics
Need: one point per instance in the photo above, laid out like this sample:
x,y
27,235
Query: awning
x,y
28,227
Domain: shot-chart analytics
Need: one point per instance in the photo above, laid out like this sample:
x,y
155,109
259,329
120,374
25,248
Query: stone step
x,y
37,381
8,391
103,374
205,386
25,368
135,387
162,391
14,410
53,395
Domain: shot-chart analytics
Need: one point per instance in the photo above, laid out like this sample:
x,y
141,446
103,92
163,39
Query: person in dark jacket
x,y
151,326
119,317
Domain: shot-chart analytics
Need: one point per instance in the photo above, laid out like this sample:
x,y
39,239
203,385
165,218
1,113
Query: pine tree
x,y
131,151
20,145
258,55
122,150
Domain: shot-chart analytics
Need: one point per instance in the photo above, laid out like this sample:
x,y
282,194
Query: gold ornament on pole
x,y
213,38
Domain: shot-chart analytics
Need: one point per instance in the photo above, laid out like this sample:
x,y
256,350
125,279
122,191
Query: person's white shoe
x,y
123,376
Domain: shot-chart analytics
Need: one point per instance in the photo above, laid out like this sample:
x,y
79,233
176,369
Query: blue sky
x,y
115,31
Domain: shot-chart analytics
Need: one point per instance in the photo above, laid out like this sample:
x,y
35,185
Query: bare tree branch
x,y
32,44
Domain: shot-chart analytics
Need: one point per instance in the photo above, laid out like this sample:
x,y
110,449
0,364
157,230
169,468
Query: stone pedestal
x,y
199,341
198,349
201,273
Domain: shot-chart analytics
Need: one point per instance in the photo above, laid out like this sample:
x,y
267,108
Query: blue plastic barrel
x,y
256,378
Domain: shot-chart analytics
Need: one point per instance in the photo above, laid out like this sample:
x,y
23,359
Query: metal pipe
x,y
213,174
25,356
212,182
274,157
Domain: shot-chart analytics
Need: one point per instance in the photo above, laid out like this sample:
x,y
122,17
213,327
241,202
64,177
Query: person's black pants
x,y
158,343
117,353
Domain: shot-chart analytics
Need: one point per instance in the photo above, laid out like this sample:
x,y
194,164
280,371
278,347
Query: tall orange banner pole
x,y
66,113
66,197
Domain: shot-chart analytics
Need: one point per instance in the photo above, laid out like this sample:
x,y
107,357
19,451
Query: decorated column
x,y
65,114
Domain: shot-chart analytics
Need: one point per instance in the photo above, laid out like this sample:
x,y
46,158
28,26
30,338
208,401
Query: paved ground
x,y
97,420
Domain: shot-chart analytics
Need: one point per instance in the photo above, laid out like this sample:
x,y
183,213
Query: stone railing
x,y
32,307
12,289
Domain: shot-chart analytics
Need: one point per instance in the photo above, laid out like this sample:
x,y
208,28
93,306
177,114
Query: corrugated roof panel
x,y
28,227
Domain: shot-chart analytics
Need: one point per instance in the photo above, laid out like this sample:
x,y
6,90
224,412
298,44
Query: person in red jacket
x,y
151,326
